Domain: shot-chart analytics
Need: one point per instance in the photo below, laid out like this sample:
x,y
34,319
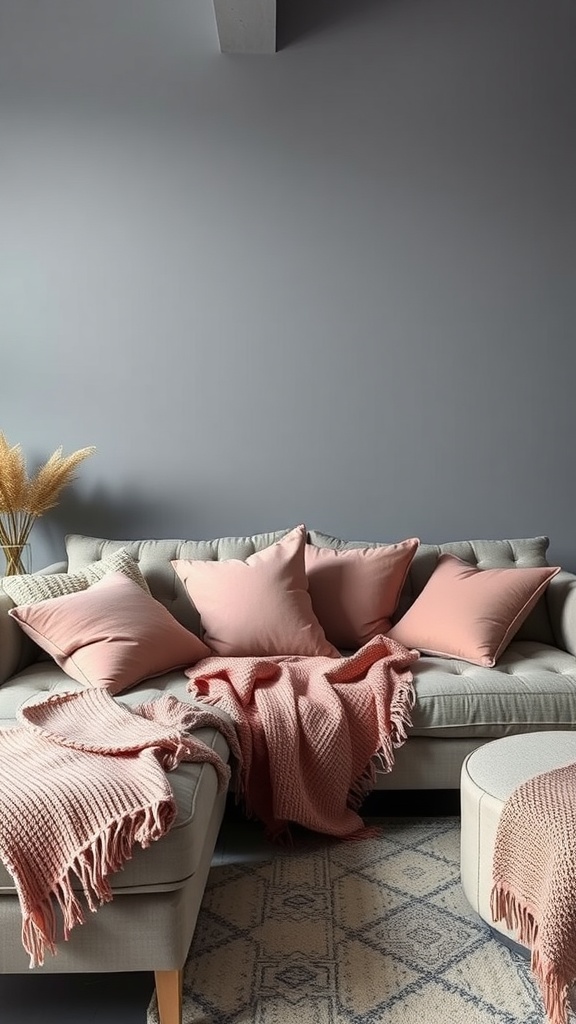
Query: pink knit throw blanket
x,y
309,728
534,876
82,780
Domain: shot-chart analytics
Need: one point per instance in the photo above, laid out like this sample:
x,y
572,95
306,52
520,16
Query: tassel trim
x,y
107,853
506,906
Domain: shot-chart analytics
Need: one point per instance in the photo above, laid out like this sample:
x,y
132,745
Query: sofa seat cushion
x,y
46,677
167,863
533,687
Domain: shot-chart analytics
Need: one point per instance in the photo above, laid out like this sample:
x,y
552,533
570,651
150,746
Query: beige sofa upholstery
x,y
149,924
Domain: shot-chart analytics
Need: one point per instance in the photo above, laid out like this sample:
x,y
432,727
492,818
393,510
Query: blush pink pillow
x,y
355,591
470,613
112,635
260,606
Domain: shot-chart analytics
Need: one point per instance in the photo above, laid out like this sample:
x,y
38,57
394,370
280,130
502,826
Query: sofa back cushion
x,y
258,606
529,552
155,557
41,586
471,613
355,592
111,635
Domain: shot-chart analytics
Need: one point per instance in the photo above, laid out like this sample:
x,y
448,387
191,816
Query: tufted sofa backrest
x,y
154,557
485,554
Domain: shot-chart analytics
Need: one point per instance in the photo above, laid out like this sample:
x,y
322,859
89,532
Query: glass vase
x,y
17,559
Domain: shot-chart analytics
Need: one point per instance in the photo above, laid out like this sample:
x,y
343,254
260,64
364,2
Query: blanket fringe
x,y
401,721
362,787
106,853
506,906
400,712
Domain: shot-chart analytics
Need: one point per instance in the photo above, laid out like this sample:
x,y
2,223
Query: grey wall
x,y
335,285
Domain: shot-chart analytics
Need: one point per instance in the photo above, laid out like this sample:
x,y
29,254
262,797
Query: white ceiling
x,y
246,26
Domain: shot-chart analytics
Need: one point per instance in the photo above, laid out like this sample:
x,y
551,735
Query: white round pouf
x,y
489,775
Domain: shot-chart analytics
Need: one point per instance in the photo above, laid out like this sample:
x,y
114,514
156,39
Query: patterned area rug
x,y
364,932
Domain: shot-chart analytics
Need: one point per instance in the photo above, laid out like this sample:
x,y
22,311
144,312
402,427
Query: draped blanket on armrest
x,y
534,880
309,729
82,780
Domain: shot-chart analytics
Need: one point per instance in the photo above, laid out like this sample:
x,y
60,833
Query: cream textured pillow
x,y
355,591
41,587
470,613
260,606
111,635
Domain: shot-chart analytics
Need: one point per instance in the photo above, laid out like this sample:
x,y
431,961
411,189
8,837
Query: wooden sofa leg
x,y
169,996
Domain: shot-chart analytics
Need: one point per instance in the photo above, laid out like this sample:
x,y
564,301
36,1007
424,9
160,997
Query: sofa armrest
x,y
16,649
55,567
11,640
561,601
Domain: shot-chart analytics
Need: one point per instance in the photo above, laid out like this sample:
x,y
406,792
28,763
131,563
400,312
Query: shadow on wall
x,y
127,516
298,18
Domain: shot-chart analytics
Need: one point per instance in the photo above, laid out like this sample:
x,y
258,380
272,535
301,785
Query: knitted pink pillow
x,y
355,591
470,613
260,606
112,635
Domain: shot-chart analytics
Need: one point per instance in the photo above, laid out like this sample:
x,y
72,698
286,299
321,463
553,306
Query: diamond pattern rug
x,y
370,932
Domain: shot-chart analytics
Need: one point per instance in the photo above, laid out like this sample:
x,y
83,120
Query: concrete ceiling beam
x,y
246,26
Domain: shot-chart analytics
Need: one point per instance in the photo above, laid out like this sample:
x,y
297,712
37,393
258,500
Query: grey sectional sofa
x,y
458,706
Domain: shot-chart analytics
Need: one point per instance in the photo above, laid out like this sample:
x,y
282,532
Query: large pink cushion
x,y
112,635
260,606
356,591
470,613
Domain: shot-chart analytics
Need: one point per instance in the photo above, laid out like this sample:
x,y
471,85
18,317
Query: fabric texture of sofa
x,y
458,707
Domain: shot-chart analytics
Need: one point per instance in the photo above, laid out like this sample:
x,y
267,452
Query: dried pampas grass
x,y
23,499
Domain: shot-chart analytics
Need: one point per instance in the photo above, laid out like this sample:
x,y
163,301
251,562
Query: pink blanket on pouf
x,y
534,880
309,729
83,779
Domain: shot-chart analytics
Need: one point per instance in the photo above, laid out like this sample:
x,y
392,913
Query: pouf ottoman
x,y
489,775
